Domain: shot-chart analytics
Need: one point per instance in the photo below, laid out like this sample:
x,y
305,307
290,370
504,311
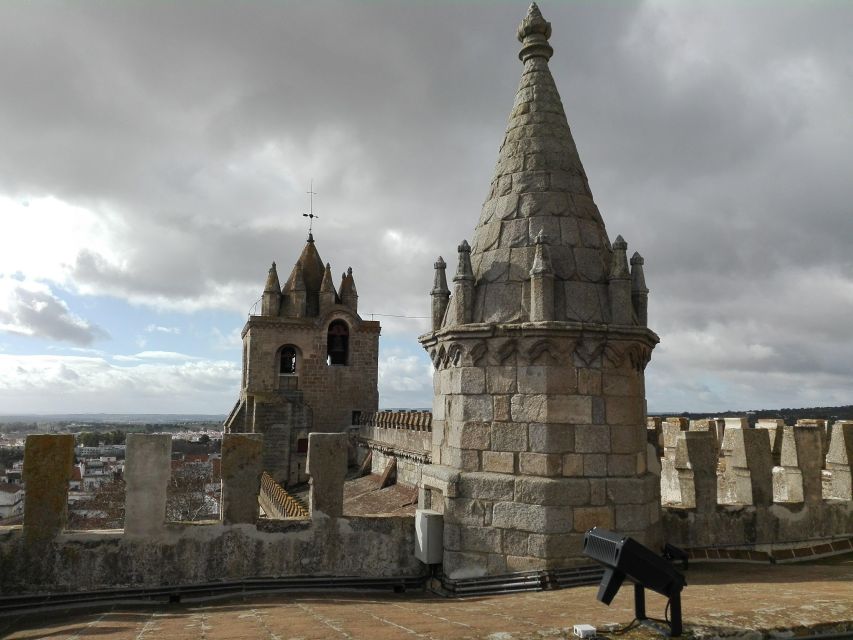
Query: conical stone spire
x,y
539,184
539,358
272,285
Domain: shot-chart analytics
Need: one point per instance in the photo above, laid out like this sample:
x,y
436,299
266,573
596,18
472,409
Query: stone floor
x,y
721,600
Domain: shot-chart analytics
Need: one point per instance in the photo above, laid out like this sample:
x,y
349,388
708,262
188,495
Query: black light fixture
x,y
622,557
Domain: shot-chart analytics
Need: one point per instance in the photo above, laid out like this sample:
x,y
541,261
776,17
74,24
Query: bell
x,y
337,344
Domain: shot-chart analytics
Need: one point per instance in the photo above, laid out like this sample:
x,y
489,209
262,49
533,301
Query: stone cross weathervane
x,y
310,215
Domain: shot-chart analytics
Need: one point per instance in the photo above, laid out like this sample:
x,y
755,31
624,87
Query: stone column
x,y
327,466
48,461
147,474
840,458
242,467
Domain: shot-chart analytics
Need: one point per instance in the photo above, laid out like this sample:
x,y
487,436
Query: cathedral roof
x,y
539,187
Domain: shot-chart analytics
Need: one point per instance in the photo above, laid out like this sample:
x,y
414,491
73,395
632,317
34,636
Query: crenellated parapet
x,y
763,485
43,556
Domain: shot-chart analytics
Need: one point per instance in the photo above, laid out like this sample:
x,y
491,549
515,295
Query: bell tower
x,y
309,363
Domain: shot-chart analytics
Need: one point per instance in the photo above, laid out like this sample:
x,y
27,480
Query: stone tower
x,y
309,363
539,354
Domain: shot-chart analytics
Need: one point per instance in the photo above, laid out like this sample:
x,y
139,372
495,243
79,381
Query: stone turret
x,y
271,299
538,418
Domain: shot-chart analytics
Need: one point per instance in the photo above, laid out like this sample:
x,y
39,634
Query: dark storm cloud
x,y
716,137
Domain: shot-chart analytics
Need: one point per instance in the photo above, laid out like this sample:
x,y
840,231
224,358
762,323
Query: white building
x,y
11,500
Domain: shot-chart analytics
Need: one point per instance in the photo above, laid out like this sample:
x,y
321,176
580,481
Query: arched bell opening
x,y
337,343
288,367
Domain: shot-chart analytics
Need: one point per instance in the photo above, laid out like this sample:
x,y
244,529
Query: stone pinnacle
x,y
533,33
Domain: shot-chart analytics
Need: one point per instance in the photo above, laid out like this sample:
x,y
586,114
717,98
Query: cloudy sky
x,y
154,159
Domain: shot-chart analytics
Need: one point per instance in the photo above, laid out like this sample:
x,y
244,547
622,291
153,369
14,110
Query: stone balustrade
x,y
411,420
42,556
277,502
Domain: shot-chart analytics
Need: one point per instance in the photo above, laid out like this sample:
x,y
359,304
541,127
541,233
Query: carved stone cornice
x,y
421,457
541,343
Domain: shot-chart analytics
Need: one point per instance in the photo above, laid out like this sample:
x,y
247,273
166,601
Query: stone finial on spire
x,y
348,292
271,299
327,285
328,296
463,269
542,257
619,261
297,294
619,285
463,290
533,33
440,293
272,281
639,290
541,282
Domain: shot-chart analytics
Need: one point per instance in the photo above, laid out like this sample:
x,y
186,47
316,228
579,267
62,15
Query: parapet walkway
x,y
721,600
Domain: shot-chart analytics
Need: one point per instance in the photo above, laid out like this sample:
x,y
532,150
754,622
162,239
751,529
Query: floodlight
x,y
623,557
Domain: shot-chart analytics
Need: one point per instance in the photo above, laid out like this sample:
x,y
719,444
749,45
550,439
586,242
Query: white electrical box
x,y
429,536
584,631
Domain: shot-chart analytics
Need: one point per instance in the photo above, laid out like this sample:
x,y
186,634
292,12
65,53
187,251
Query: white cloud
x,y
30,308
405,380
154,328
154,355
74,384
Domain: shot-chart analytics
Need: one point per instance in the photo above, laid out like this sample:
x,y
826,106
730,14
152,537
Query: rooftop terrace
x,y
722,600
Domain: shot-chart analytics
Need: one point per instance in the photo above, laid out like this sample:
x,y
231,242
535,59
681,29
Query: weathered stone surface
x,y
592,438
498,461
748,478
471,407
146,474
470,435
594,464
327,466
585,518
540,464
552,491
551,438
48,461
500,380
555,545
509,436
486,486
572,464
531,517
839,460
242,459
627,438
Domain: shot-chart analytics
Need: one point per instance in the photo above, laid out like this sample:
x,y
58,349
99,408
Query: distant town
x,y
96,489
